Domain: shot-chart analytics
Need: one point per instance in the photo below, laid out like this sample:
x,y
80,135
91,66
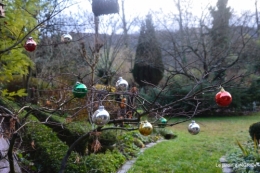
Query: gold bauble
x,y
145,128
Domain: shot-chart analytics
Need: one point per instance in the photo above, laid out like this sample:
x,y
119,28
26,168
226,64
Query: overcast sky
x,y
141,7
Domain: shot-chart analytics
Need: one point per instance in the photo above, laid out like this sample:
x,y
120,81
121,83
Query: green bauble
x,y
163,122
80,90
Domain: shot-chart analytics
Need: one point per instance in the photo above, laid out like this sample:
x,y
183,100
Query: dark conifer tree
x,y
148,65
220,33
220,23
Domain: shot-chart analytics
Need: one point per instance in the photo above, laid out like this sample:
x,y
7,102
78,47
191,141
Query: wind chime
x,y
100,117
103,7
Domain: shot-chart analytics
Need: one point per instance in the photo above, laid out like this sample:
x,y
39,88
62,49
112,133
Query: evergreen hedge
x,y
68,133
49,150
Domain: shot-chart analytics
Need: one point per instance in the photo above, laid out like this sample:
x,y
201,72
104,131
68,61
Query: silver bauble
x,y
66,38
193,128
122,84
100,116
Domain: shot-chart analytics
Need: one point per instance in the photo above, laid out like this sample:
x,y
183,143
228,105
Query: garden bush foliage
x,y
110,161
167,133
125,144
245,158
52,150
108,137
69,132
48,150
254,131
242,97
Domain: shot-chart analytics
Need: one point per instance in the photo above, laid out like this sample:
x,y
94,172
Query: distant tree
x,y
220,34
220,24
148,65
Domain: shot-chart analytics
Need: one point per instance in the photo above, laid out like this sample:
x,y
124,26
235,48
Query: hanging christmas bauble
x,y
100,116
66,38
193,128
223,98
121,84
145,128
163,122
30,45
79,90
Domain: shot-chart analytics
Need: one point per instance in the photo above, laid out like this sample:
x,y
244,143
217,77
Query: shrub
x,y
254,131
245,158
167,133
125,144
139,143
108,137
107,140
48,150
146,139
170,94
110,161
69,132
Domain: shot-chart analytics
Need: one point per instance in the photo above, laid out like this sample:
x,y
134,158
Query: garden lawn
x,y
196,153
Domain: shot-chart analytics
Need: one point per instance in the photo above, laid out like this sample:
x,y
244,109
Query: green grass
x,y
196,153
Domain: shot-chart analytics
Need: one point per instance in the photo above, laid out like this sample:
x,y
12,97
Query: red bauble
x,y
30,45
223,98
